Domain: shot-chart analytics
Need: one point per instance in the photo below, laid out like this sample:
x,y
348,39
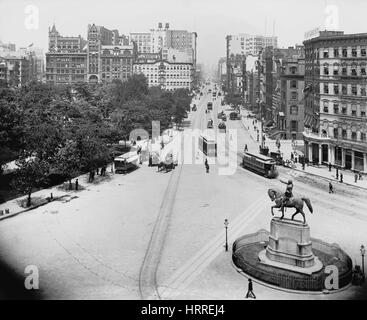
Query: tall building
x,y
6,47
107,59
289,91
143,41
14,69
107,55
178,43
237,48
166,75
104,56
249,44
176,49
66,59
336,99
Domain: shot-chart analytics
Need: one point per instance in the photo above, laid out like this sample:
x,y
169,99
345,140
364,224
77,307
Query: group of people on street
x,y
93,173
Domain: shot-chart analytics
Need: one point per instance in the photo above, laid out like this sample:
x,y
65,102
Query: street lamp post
x,y
226,223
363,252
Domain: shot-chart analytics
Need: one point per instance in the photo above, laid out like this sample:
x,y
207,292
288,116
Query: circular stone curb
x,y
245,260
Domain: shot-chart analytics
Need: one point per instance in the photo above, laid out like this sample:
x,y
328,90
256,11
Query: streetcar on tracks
x,y
126,162
208,144
260,164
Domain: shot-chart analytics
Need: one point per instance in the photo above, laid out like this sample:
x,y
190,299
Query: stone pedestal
x,y
290,247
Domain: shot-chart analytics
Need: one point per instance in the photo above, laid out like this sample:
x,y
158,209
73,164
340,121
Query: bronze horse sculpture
x,y
294,202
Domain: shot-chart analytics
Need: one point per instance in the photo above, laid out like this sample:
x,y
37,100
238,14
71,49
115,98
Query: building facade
x,y
335,80
249,44
15,70
290,118
238,47
166,75
281,72
175,47
20,66
166,57
66,59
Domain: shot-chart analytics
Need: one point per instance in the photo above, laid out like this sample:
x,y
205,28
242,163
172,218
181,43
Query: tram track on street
x,y
148,288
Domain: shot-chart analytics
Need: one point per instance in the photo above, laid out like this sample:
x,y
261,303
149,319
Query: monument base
x,y
290,247
304,270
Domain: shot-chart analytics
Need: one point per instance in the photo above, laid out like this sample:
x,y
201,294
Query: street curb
x,y
313,293
6,216
329,179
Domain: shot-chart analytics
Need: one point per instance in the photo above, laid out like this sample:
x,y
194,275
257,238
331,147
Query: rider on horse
x,y
287,195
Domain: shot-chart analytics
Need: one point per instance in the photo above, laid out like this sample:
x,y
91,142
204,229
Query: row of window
x,y
108,69
351,110
68,71
66,65
336,53
344,52
340,133
151,68
116,61
344,89
353,70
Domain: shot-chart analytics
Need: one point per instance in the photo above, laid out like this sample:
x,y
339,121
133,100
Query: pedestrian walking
x,y
337,174
360,176
341,177
355,177
331,190
76,184
246,149
250,290
329,166
150,160
303,165
292,156
207,165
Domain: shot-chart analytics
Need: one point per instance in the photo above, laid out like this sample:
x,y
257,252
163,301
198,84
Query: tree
x,y
94,153
42,136
11,131
68,161
32,173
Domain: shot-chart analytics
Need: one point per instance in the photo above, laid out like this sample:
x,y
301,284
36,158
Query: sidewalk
x,y
14,205
169,138
286,149
323,171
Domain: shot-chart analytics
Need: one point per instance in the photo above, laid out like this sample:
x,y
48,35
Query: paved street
x,y
174,221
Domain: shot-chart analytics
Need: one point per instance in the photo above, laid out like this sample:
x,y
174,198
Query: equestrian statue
x,y
287,200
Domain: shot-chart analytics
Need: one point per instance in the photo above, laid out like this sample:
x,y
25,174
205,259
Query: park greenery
x,y
71,129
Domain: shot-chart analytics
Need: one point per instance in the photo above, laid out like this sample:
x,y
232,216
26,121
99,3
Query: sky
x,y
211,19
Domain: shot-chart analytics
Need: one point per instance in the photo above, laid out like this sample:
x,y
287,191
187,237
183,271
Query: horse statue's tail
x,y
308,203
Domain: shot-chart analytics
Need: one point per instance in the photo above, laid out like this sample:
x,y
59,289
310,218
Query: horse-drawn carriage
x,y
168,164
277,156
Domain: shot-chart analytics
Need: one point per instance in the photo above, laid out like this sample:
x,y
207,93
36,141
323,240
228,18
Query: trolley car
x,y
260,164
